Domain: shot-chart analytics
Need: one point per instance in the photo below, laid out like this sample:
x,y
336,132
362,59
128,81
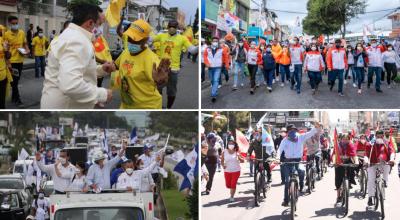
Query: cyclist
x,y
314,151
379,151
292,145
347,153
325,146
260,153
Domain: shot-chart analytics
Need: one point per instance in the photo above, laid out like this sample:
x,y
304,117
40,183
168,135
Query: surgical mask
x,y
313,48
240,44
62,160
292,134
41,196
231,146
141,166
348,49
253,46
77,171
14,27
134,48
390,49
214,45
314,41
363,141
256,137
268,49
379,141
171,31
129,171
40,34
373,45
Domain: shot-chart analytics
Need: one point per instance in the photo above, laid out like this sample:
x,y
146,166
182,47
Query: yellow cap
x,y
138,30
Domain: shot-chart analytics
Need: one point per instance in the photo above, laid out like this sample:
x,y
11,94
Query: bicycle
x,y
379,188
310,174
259,181
293,188
324,162
344,189
363,179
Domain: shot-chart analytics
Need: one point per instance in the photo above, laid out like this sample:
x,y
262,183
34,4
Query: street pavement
x,y
317,205
187,96
285,98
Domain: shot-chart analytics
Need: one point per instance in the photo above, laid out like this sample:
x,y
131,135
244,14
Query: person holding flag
x,y
344,152
230,160
171,46
380,151
293,146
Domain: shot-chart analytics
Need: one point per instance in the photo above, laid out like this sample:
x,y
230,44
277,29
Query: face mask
x,y
40,34
262,48
379,141
292,134
345,142
14,27
62,160
348,49
41,196
134,48
77,171
240,44
129,171
283,134
171,31
141,166
337,45
268,49
253,46
373,45
214,45
390,49
313,48
362,141
314,41
231,146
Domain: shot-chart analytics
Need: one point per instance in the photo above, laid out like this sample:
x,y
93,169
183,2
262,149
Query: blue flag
x,y
133,136
188,168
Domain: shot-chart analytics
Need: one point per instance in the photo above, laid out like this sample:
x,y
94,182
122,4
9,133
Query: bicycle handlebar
x,y
344,165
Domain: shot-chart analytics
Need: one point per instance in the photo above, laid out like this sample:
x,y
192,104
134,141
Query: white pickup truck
x,y
110,205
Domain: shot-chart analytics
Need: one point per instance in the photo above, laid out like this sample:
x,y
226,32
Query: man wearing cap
x,y
148,157
172,45
292,145
140,70
98,177
71,73
115,174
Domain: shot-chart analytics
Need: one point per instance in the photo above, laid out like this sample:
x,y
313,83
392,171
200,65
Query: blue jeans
x,y
359,71
215,75
297,76
378,73
225,72
39,63
315,78
259,76
239,69
287,170
269,76
332,75
285,71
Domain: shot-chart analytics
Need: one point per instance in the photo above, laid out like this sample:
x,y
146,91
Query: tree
x,y
193,201
196,22
178,124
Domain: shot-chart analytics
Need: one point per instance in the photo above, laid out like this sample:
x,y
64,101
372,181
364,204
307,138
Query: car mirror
x,y
5,206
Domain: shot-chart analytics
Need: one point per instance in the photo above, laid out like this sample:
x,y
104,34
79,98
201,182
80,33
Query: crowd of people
x,y
369,150
270,62
75,62
105,171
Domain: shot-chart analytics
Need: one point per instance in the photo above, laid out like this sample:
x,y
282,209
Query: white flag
x,y
23,154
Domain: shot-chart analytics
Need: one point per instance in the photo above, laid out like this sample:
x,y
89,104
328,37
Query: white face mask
x,y
253,46
62,160
373,45
313,48
141,166
214,44
283,134
390,49
240,44
359,48
379,141
363,141
40,34
77,171
129,171
231,146
41,196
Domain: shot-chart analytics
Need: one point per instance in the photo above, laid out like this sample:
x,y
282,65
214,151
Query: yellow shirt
x,y
101,49
15,40
171,48
39,46
137,87
4,71
125,41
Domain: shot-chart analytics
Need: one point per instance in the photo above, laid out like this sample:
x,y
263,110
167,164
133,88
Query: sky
x,y
354,26
187,6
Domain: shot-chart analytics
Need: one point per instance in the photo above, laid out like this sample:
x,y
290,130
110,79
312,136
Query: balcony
x,y
8,2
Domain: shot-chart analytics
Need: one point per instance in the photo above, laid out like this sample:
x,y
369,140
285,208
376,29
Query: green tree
x,y
178,124
193,201
196,22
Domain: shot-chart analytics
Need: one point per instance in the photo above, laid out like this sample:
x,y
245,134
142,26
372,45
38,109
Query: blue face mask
x,y
134,48
292,135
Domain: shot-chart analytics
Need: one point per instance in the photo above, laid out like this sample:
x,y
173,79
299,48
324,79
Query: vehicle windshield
x,y
100,213
19,168
11,183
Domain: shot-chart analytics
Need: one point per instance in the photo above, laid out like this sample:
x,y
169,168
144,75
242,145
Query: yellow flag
x,y
113,12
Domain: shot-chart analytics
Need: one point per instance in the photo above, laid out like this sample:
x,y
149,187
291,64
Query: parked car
x,y
5,149
17,182
14,205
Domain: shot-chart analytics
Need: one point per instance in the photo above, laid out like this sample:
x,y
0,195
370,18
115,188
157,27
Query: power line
x,y
299,12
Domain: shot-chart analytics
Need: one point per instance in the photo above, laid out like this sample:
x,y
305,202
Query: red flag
x,y
336,152
391,139
242,142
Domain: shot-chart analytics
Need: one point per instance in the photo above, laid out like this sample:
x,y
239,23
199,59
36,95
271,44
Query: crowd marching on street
x,y
289,148
284,63
74,62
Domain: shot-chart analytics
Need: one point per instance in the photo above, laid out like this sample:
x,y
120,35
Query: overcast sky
x,y
354,26
187,6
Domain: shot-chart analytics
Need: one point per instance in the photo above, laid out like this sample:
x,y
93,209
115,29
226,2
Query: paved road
x,y
318,205
187,96
284,98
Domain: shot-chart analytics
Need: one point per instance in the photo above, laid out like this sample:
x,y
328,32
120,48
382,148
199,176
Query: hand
x,y
317,125
109,95
206,69
57,162
158,158
224,167
109,67
94,187
260,66
6,46
391,163
38,156
85,189
161,73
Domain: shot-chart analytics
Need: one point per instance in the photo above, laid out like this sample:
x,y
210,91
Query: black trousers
x,y
3,87
211,172
391,71
14,84
100,81
203,72
253,71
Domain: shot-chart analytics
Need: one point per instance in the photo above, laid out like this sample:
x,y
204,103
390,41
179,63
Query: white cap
x,y
98,156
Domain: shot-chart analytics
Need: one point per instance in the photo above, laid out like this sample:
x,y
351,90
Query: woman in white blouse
x,y
231,160
78,181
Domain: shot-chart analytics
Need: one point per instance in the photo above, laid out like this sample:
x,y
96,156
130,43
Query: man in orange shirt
x,y
224,70
276,49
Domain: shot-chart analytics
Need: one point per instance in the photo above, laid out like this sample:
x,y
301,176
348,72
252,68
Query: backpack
x,y
241,57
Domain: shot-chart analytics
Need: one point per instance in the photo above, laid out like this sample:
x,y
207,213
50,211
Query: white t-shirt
x,y
147,160
78,183
231,162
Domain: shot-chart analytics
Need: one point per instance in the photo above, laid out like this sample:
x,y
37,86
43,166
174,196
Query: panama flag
x,y
188,169
133,136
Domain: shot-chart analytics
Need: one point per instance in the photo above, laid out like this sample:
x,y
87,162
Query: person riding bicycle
x,y
314,151
347,153
293,146
325,146
380,151
260,153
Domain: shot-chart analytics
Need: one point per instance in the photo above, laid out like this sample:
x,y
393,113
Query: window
x,y
242,12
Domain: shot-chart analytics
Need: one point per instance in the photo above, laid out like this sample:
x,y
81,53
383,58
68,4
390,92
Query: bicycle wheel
x,y
263,187
345,196
313,176
256,189
309,180
382,200
292,191
365,181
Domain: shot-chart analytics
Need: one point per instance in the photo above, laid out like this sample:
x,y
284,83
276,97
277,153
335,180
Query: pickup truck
x,y
107,205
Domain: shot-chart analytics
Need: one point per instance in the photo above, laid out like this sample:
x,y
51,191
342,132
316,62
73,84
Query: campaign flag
x,y
133,136
188,169
336,152
113,12
105,141
23,154
152,138
75,132
242,142
267,141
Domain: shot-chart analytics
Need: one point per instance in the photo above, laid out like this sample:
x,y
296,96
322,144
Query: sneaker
x,y
251,91
213,99
269,88
359,91
285,204
370,201
277,79
338,199
345,82
282,84
231,199
354,85
379,90
331,87
341,94
219,86
389,87
251,175
241,84
264,83
234,88
269,181
313,91
298,91
273,81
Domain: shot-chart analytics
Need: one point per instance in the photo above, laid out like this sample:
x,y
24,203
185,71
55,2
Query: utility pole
x,y
159,18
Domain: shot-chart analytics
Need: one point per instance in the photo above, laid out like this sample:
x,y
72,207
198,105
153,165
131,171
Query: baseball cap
x,y
138,30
